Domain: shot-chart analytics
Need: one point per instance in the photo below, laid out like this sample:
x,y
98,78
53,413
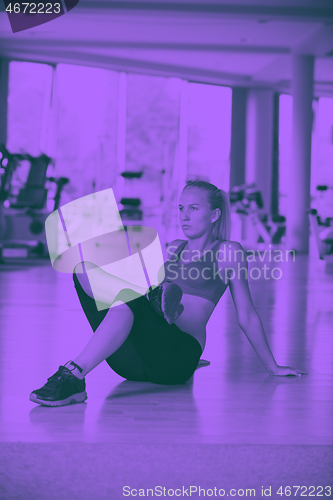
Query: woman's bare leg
x,y
109,336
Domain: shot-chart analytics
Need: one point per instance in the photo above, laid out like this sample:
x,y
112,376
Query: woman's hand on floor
x,y
283,371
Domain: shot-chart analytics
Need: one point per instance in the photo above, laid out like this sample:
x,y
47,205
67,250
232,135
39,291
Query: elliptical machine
x,y
23,213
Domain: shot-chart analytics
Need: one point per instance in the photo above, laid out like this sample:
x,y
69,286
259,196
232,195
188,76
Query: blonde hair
x,y
217,198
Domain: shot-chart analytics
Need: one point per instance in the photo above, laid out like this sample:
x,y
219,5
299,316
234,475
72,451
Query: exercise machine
x,y
322,229
247,201
131,206
24,204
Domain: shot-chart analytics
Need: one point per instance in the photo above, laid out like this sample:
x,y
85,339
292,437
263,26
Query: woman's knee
x,y
123,308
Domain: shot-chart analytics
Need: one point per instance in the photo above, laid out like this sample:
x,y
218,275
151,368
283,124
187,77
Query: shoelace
x,y
57,379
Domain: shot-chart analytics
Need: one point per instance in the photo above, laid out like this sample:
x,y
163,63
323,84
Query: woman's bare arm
x,y
247,316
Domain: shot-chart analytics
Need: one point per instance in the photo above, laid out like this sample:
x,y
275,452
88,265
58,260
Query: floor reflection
x,y
134,408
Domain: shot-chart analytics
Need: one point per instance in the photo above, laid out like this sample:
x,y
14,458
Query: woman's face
x,y
195,211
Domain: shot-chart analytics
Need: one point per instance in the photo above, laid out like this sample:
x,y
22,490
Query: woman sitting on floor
x,y
159,337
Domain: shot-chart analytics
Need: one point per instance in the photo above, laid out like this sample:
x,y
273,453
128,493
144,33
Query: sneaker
x,y
170,301
165,299
63,388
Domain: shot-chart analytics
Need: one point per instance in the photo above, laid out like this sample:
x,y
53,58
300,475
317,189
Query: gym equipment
x,y
324,237
60,183
322,229
23,200
131,210
246,200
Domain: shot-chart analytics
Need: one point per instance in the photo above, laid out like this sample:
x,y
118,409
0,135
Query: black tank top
x,y
200,277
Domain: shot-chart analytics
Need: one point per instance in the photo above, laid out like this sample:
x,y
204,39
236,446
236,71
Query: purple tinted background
x,y
97,123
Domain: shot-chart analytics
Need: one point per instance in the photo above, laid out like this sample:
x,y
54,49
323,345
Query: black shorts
x,y
154,351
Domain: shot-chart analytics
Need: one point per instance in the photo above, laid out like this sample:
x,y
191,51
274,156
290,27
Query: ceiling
x,y
238,42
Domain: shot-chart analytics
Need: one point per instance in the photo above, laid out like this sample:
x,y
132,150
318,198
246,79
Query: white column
x,y
299,175
259,150
259,142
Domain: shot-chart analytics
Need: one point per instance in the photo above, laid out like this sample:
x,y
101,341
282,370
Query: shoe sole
x,y
171,297
202,363
75,398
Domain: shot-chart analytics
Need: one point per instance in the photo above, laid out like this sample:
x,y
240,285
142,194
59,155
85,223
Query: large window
x,y
209,133
86,127
96,123
29,99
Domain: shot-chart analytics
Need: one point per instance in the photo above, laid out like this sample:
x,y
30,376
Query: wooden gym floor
x,y
233,405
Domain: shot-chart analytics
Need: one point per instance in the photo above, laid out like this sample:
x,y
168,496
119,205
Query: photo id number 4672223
x,y
33,8
304,491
